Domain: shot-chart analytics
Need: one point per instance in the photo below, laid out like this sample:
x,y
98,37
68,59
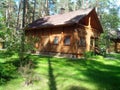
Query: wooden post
x,y
87,43
93,47
115,46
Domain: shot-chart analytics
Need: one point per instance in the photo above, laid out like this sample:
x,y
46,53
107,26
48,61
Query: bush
x,y
6,72
88,54
27,72
103,52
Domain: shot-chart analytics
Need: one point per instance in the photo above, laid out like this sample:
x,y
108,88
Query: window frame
x,y
82,42
56,37
66,36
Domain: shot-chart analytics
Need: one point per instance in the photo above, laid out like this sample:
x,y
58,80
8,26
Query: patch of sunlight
x,y
89,85
43,71
98,57
2,60
118,75
42,65
66,84
36,86
111,62
14,56
75,73
12,85
20,85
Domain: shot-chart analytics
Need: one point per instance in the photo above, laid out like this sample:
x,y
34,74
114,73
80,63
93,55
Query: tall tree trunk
x,y
6,16
24,12
33,18
47,7
18,16
27,16
22,49
83,4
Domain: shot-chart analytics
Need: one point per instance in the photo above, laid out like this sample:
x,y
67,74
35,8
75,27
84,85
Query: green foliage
x,y
108,20
30,43
7,68
88,54
6,72
2,28
13,41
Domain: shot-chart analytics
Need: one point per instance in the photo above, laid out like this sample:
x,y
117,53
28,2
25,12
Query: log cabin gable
x,y
83,36
91,22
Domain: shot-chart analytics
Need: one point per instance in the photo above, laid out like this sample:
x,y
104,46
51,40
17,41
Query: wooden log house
x,y
115,37
69,34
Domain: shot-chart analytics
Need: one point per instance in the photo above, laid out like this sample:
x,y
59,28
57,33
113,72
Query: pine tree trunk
x,y
47,7
18,16
24,12
22,36
33,18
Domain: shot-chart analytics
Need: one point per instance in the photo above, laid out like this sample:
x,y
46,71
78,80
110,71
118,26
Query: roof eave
x,y
52,26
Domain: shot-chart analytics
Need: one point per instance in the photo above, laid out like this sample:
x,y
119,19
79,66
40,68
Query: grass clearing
x,y
97,73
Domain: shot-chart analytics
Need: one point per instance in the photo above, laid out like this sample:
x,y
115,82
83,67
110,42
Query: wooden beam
x,y
84,26
115,46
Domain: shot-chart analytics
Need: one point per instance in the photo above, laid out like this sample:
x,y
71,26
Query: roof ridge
x,y
70,12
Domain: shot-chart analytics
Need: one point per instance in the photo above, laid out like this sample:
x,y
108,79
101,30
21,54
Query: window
x,y
56,40
67,40
82,42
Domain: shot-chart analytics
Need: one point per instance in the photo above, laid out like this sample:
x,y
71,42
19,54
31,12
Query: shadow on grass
x,y
76,88
52,82
7,69
116,56
105,76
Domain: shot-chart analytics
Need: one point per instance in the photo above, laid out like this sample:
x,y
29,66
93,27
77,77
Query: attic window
x,y
67,40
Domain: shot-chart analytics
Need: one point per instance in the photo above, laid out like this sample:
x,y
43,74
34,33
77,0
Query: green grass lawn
x,y
97,73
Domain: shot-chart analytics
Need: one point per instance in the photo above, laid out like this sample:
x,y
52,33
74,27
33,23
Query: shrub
x,y
6,72
103,52
27,72
88,54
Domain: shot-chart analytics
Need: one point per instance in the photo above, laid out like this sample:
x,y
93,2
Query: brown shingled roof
x,y
114,34
60,19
